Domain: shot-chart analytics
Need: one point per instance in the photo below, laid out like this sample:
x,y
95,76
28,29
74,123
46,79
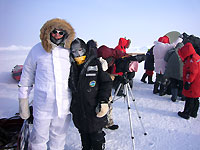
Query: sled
x,y
24,134
16,72
15,132
9,131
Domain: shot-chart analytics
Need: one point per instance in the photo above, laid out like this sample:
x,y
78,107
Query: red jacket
x,y
191,70
123,44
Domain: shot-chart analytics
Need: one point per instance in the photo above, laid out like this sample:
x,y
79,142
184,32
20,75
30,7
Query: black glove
x,y
140,57
187,85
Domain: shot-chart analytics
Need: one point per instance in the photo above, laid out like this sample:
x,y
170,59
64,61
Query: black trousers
x,y
191,106
93,141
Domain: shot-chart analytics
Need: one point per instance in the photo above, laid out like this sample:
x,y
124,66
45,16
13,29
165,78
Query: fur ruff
x,y
49,26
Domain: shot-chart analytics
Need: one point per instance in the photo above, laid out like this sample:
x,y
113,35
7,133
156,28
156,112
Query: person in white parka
x,y
47,68
160,49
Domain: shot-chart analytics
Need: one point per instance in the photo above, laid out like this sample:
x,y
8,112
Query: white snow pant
x,y
52,131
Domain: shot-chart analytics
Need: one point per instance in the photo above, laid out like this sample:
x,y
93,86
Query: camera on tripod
x,y
122,64
128,71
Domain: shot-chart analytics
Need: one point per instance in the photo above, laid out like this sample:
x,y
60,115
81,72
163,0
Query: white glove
x,y
103,110
104,63
24,108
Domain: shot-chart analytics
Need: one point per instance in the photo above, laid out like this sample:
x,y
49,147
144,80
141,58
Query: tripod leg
x,y
129,89
129,112
117,92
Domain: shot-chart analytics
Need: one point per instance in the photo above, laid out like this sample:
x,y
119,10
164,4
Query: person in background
x,y
111,55
191,81
47,68
123,44
160,49
174,71
148,66
91,89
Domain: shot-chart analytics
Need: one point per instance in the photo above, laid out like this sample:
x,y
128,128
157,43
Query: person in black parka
x,y
91,89
149,66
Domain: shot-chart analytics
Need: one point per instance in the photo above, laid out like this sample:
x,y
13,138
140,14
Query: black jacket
x,y
90,86
149,61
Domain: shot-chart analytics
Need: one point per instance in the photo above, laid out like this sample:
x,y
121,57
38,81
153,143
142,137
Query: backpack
x,y
194,40
16,72
110,54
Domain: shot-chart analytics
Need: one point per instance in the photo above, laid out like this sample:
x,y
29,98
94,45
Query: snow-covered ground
x,y
165,130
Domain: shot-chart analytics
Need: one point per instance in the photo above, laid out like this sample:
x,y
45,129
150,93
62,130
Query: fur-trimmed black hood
x,y
49,26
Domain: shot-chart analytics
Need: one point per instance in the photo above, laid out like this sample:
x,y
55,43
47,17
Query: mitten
x,y
104,64
187,85
24,108
102,110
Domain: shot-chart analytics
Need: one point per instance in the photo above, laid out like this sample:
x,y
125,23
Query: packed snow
x,y
165,129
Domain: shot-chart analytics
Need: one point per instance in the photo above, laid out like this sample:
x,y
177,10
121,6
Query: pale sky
x,y
142,21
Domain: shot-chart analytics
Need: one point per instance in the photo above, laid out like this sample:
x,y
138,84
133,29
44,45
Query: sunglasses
x,y
59,32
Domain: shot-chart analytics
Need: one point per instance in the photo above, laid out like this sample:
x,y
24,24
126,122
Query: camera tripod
x,y
126,92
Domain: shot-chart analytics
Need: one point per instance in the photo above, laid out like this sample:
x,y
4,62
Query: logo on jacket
x,y
92,83
92,68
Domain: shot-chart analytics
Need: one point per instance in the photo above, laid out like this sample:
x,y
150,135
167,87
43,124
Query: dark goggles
x,y
59,32
78,52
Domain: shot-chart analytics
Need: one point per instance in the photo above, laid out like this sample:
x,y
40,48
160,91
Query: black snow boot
x,y
150,80
186,113
155,89
183,115
113,127
144,77
195,108
174,92
162,90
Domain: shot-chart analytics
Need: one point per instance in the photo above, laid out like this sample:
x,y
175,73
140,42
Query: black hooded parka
x,y
90,86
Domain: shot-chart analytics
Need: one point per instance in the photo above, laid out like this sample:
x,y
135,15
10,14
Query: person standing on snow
x,y
47,68
191,80
91,89
111,55
148,66
122,46
174,71
160,49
